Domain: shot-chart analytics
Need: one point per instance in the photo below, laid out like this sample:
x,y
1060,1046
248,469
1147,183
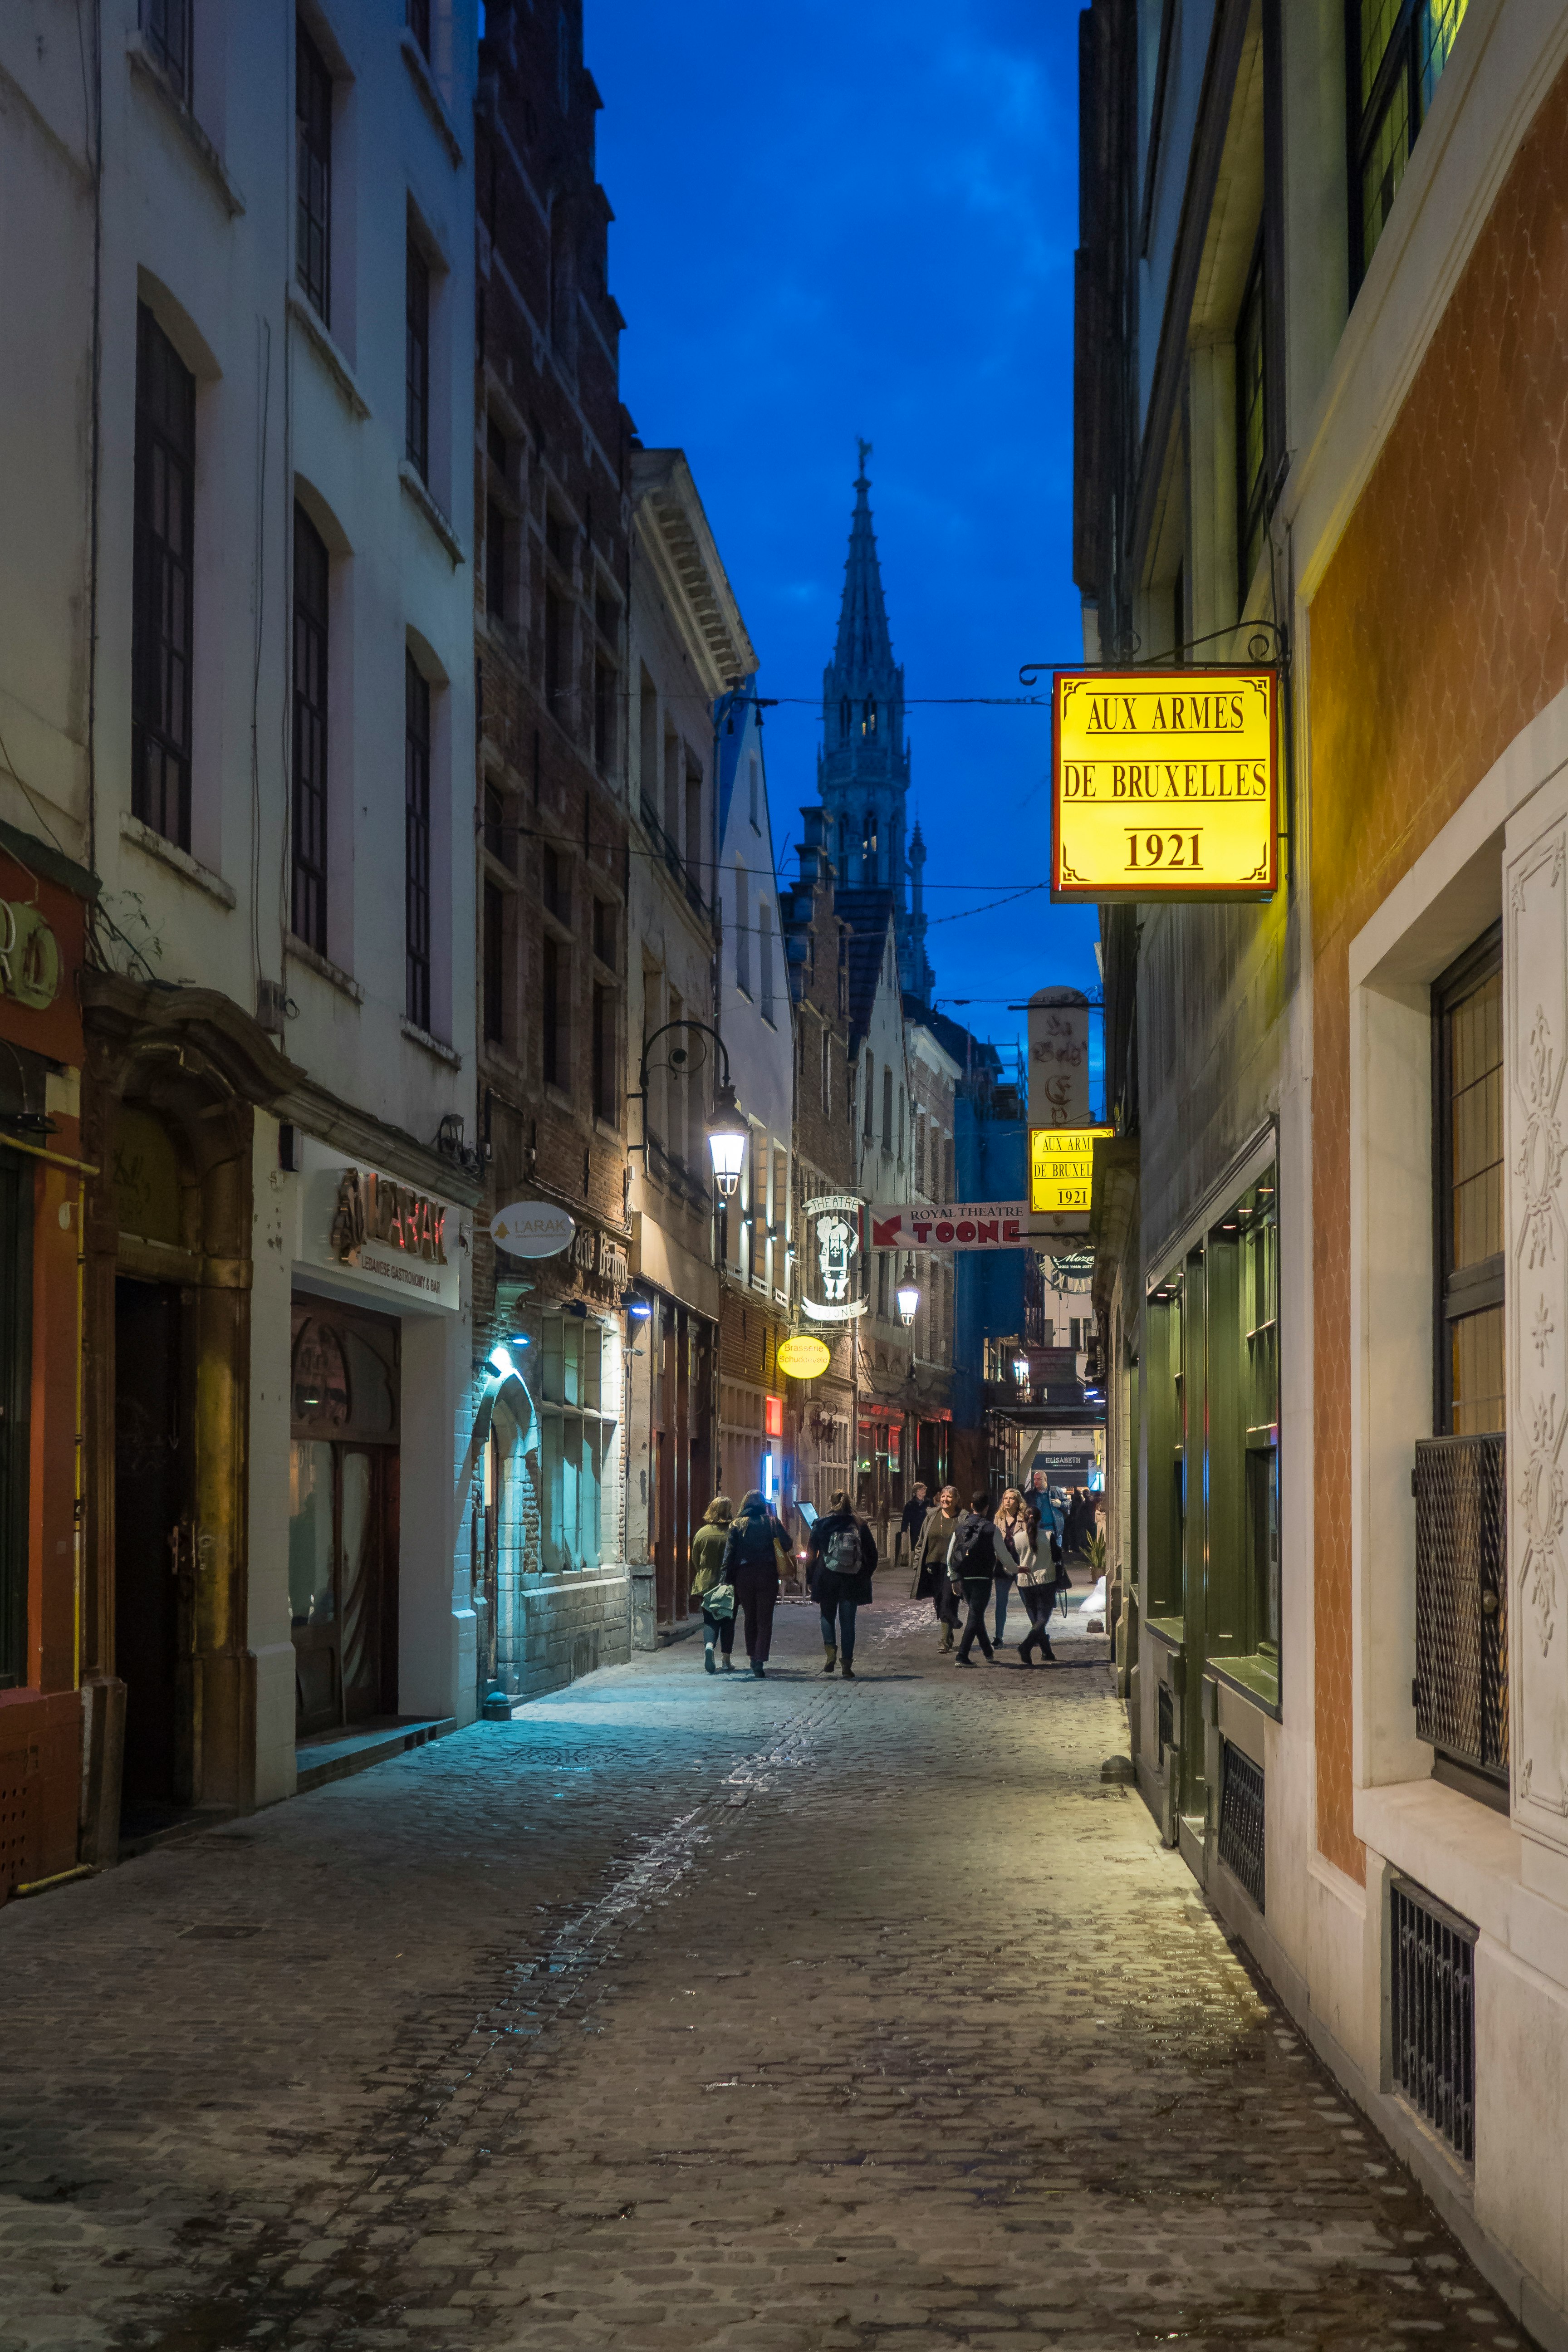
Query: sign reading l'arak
x,y
1165,784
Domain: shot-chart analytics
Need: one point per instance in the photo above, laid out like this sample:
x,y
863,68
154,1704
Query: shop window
x,y
313,172
1469,1220
1260,1253
309,841
1395,55
576,1423
162,590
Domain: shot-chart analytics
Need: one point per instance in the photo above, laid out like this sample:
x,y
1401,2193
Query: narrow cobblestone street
x,y
683,2012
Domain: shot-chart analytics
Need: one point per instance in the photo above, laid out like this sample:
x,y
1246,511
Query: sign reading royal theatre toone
x,y
958,1225
1164,785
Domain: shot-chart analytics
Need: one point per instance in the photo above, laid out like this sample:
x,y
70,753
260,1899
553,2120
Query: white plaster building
x,y
236,681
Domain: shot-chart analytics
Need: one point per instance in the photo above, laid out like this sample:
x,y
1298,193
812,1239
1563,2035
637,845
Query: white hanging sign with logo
x,y
835,1220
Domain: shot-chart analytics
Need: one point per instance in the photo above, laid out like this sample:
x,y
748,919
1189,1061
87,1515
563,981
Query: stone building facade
x,y
1330,1255
552,501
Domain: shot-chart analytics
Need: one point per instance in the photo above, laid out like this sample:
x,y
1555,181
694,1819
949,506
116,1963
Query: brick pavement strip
x,y
689,2012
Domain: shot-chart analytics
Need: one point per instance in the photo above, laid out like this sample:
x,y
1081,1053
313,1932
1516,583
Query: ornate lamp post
x,y
727,1130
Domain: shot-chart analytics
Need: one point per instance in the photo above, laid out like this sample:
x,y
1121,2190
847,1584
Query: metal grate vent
x,y
1433,2013
1241,1819
1461,1601
1167,1720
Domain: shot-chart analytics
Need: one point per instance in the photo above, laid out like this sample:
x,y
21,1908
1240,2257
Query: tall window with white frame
x,y
1469,1388
1395,55
166,32
163,594
311,579
312,173
743,931
765,959
417,840
1251,424
416,369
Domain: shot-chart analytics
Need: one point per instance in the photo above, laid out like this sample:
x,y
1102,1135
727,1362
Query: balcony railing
x,y
1461,1601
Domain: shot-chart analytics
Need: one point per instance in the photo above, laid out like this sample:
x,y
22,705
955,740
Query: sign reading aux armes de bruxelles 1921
x,y
1165,784
1061,1174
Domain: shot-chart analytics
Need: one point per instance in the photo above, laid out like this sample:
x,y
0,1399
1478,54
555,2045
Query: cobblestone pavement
x,y
693,2012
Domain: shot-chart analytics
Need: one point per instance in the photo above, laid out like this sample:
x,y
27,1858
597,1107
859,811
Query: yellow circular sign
x,y
802,1357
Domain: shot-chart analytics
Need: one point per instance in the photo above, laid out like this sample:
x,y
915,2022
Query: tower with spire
x,y
863,768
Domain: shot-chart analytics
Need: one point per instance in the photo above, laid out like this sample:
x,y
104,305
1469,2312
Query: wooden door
x,y
153,1547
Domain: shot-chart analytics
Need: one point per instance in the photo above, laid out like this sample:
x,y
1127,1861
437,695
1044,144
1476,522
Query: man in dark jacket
x,y
975,1555
841,1559
913,1518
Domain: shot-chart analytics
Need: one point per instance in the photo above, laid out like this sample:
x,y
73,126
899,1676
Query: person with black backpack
x,y
751,1556
972,1563
840,1563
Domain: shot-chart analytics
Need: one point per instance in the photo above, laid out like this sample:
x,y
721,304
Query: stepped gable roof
x,y
868,913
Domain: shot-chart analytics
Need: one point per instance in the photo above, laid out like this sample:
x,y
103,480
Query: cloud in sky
x,y
842,219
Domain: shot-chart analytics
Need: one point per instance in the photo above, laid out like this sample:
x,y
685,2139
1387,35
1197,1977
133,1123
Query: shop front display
x,y
344,1514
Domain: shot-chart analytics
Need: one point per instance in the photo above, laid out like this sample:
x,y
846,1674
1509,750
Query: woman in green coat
x,y
708,1572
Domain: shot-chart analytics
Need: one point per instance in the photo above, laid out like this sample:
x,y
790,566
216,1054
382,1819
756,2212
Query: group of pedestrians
x,y
739,1559
963,1557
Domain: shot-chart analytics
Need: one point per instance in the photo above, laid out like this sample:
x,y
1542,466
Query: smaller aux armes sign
x,y
1165,784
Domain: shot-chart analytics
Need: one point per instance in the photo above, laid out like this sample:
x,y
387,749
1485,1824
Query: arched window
x,y
868,873
868,721
844,718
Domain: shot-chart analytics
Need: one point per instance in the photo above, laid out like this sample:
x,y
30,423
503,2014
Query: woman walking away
x,y
1011,1534
976,1549
841,1561
751,1566
1034,1548
709,1585
937,1532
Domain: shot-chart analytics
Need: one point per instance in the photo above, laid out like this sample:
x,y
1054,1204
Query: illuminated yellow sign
x,y
1061,1169
804,1356
1165,784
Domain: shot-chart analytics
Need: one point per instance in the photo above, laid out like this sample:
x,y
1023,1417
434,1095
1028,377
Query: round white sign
x,y
531,1229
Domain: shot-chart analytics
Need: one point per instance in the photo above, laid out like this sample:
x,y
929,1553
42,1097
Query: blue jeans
x,y
843,1632
1004,1587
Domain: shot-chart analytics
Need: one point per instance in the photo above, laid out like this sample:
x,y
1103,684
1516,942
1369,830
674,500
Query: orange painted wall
x,y
1439,630
40,1722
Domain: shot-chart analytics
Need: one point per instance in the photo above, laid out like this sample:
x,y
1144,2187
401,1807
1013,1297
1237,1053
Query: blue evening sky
x,y
860,218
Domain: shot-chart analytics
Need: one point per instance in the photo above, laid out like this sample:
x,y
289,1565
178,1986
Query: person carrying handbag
x,y
1038,1574
937,1531
842,1559
751,1565
709,1585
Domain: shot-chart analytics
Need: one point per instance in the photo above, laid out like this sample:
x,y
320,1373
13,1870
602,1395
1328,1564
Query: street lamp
x,y
908,1294
727,1130
726,1138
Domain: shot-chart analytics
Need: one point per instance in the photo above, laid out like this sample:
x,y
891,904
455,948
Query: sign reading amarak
x,y
955,1225
1165,784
